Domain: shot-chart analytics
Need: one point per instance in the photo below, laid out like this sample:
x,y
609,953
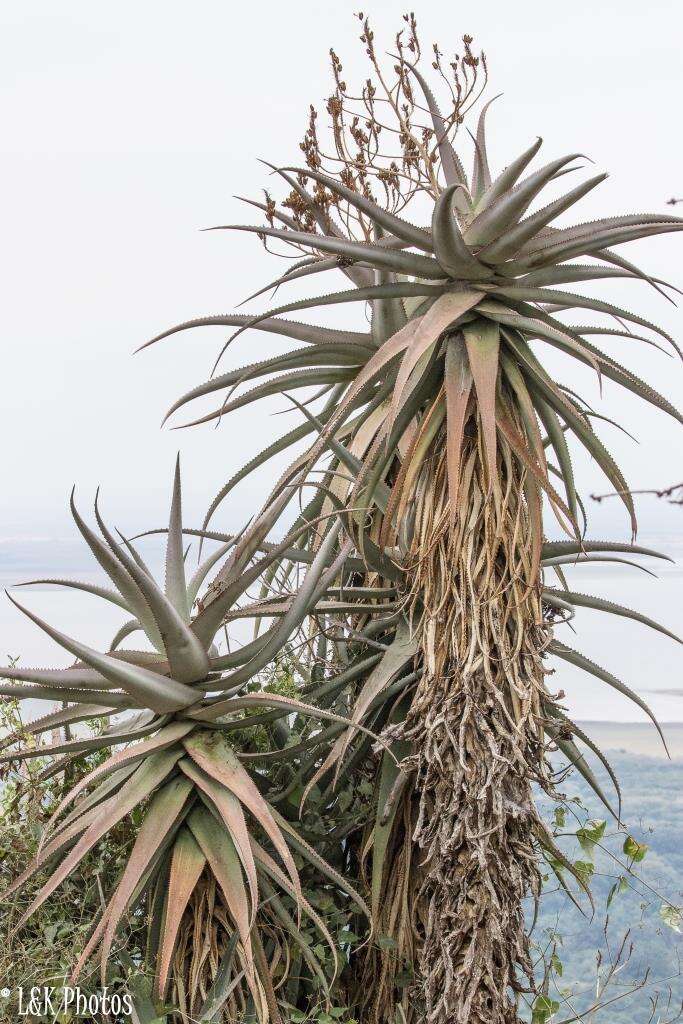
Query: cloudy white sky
x,y
129,126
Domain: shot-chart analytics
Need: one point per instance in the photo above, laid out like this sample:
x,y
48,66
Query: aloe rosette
x,y
452,322
168,713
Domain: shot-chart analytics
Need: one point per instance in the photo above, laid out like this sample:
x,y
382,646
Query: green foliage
x,y
634,851
590,834
43,952
638,900
544,1009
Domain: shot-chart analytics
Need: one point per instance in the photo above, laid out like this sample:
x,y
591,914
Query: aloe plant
x,y
443,431
213,860
413,592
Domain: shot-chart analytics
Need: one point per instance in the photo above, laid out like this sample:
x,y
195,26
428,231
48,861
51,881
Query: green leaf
x,y
510,242
450,249
509,207
543,1009
565,247
118,575
310,333
481,175
634,850
146,779
326,376
590,834
389,773
229,810
556,548
580,661
380,257
156,691
584,869
600,604
621,885
176,588
451,164
442,316
164,738
388,221
507,178
162,815
220,852
212,753
139,988
482,338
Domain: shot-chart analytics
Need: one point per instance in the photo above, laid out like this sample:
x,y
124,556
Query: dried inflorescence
x,y
383,145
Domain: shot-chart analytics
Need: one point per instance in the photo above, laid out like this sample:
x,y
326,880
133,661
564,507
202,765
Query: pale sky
x,y
129,126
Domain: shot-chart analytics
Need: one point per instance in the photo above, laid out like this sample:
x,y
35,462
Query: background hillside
x,y
653,811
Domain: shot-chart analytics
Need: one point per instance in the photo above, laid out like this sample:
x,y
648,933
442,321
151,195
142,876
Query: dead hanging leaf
x,y
445,313
482,338
458,384
187,864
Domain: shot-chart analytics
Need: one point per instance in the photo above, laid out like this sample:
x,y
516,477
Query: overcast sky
x,y
129,126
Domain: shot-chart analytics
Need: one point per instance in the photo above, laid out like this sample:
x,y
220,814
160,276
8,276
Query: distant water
x,y
638,738
649,663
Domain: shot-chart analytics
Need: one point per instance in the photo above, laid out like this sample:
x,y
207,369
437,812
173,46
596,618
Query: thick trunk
x,y
476,729
475,828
